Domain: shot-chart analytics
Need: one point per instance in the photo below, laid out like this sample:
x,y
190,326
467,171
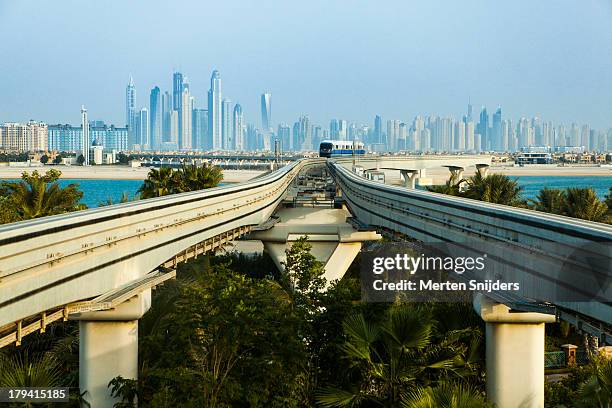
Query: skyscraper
x,y
483,129
214,111
172,143
85,142
496,132
239,128
378,136
284,135
185,127
155,126
266,111
177,90
177,97
166,102
130,112
334,129
226,125
143,129
199,128
342,129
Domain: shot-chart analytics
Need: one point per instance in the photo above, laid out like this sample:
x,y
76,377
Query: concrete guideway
x,y
514,338
68,265
54,261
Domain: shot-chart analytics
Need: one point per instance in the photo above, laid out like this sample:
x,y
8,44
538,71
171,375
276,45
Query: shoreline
x,y
112,173
438,175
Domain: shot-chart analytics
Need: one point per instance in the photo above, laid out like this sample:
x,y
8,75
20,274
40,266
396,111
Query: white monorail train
x,y
338,148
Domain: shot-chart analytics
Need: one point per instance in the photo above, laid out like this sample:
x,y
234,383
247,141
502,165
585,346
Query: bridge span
x,y
98,265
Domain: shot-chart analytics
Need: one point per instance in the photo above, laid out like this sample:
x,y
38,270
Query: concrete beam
x,y
514,354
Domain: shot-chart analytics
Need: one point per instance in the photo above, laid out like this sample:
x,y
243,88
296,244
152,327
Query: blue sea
x,y
533,184
96,192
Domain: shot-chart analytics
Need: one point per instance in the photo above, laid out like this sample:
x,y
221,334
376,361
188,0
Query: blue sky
x,y
325,58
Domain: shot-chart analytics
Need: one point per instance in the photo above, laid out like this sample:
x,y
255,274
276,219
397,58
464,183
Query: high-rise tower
x,y
130,112
226,124
496,131
177,90
266,111
239,128
214,111
85,142
185,122
155,110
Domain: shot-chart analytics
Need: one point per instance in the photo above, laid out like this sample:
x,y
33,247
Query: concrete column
x,y
410,177
483,169
514,354
456,172
108,348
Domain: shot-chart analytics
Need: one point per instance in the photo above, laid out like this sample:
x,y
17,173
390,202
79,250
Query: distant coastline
x,y
113,173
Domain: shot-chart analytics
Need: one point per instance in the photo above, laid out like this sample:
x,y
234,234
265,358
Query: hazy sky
x,y
325,58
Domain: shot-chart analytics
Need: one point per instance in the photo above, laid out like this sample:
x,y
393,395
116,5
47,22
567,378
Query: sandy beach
x,y
113,173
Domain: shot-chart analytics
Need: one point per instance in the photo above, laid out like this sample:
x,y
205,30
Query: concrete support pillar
x,y
483,169
410,177
456,172
108,348
514,354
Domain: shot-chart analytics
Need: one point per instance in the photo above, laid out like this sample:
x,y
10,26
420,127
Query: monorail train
x,y
339,148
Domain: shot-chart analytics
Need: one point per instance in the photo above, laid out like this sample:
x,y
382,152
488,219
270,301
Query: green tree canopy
x,y
494,188
38,195
165,181
583,203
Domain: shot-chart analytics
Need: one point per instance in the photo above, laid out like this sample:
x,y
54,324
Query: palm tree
x,y
495,188
583,203
550,200
23,371
39,195
597,390
444,396
389,357
194,178
160,183
189,178
125,198
451,187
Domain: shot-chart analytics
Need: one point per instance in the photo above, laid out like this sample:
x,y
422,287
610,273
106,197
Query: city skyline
x,y
542,63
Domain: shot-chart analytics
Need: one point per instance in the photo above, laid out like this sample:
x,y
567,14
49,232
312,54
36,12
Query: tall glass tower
x,y
155,118
214,111
177,90
226,124
130,112
238,127
85,142
266,111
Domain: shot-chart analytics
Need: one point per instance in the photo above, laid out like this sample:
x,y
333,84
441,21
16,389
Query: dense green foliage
x,y
189,178
37,196
576,202
496,188
588,386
